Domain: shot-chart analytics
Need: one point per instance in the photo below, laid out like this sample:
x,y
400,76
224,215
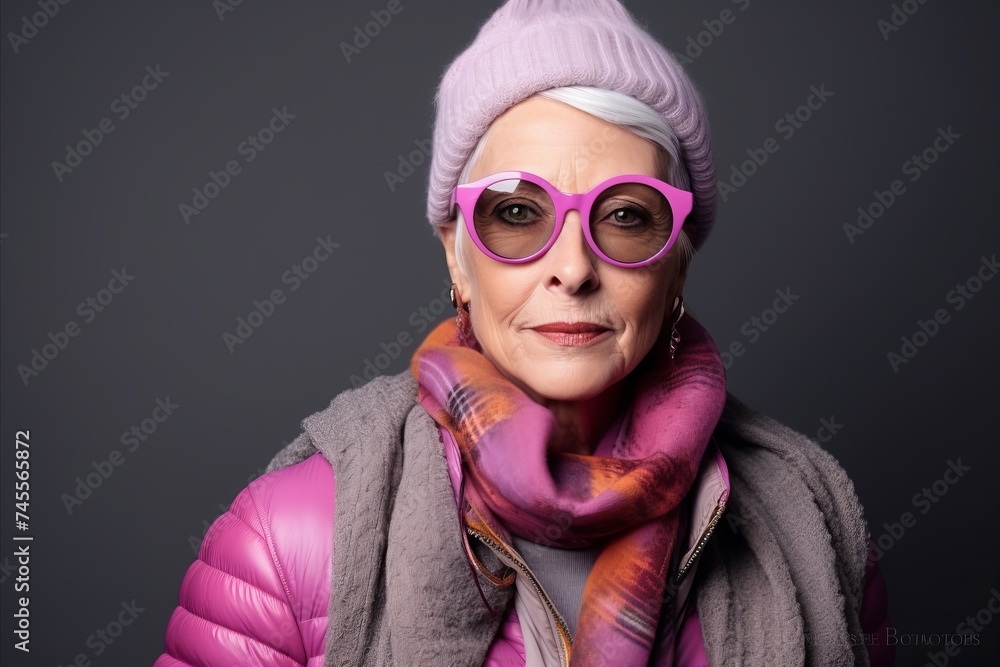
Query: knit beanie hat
x,y
528,46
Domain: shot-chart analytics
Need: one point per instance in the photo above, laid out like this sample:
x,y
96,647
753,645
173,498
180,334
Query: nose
x,y
571,262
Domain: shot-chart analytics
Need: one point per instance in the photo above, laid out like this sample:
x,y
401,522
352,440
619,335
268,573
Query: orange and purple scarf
x,y
626,499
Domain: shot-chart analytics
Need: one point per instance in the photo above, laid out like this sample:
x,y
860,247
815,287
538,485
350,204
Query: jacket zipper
x,y
709,529
563,648
706,534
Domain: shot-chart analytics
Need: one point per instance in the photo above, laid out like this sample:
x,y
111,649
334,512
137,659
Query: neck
x,y
581,425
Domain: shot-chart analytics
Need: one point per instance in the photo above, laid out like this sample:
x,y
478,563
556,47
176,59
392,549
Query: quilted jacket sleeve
x,y
875,617
235,605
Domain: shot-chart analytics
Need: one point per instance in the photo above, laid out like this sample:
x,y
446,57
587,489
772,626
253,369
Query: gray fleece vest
x,y
779,583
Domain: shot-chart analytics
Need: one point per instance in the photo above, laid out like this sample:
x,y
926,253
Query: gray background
x,y
324,175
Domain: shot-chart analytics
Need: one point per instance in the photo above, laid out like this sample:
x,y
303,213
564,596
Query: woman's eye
x,y
626,217
516,213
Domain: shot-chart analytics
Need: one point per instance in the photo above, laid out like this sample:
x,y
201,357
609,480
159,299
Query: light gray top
x,y
561,572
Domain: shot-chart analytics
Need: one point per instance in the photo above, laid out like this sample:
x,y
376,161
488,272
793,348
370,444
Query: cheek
x,y
643,305
643,294
501,292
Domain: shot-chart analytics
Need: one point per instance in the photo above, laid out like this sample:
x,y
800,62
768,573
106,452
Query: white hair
x,y
620,109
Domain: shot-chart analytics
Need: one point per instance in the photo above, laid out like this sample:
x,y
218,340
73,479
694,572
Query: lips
x,y
570,327
573,334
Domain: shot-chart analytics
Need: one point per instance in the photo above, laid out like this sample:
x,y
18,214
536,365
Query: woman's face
x,y
574,151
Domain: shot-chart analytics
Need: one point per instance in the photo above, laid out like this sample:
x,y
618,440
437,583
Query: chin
x,y
558,383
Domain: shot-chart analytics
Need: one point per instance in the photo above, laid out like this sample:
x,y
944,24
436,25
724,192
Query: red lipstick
x,y
572,334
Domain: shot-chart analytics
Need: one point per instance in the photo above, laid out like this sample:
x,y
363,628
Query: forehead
x,y
569,147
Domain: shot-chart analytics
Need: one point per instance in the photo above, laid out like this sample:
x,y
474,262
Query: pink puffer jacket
x,y
259,591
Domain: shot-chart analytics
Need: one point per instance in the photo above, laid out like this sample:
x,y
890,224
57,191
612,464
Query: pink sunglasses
x,y
516,216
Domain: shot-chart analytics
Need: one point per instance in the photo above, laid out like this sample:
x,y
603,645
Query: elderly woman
x,y
560,477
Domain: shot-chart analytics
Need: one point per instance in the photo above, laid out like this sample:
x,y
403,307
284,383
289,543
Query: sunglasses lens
x,y
514,218
631,222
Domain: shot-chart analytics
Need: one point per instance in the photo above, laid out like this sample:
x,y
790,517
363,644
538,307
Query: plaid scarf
x,y
624,496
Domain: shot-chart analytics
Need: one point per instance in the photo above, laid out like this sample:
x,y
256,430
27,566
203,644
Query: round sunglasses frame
x,y
467,194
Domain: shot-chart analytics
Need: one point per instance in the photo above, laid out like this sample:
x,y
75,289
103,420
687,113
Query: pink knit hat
x,y
528,46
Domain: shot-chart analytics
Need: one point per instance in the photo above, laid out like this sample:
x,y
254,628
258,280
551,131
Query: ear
x,y
449,235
